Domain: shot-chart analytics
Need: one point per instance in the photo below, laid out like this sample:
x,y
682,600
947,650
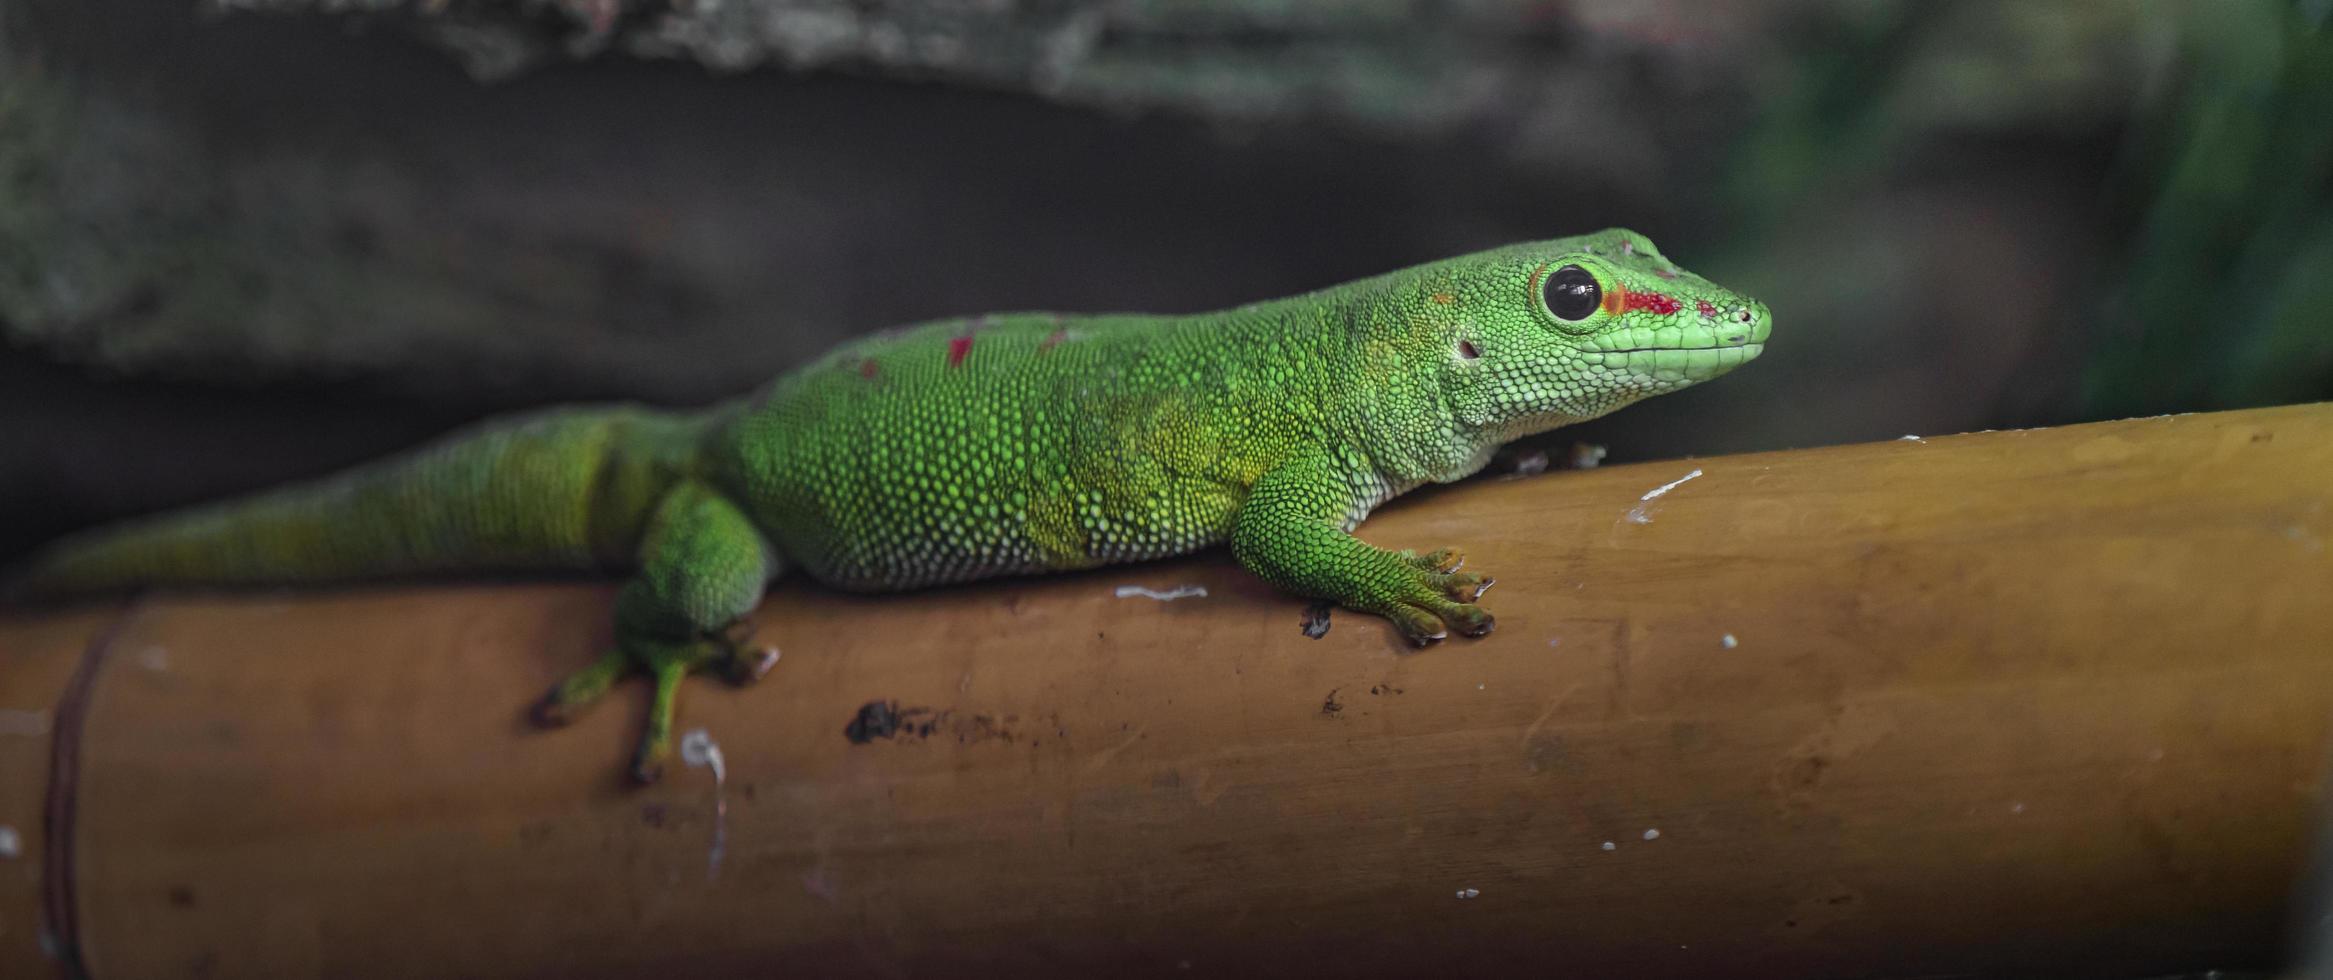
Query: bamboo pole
x,y
2036,702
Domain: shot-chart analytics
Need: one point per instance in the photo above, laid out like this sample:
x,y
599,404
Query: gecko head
x,y
1556,332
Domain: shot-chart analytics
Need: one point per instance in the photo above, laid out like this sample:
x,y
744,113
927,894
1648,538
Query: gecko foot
x,y
1438,598
667,663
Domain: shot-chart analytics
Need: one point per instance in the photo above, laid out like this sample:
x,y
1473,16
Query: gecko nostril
x,y
1466,349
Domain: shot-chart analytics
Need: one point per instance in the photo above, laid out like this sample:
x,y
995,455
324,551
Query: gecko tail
x,y
560,490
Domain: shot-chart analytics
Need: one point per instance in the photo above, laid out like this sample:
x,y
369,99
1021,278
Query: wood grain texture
x,y
2050,701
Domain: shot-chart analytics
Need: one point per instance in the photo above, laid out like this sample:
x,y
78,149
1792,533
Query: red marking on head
x,y
868,369
1058,335
1444,299
957,348
1661,303
1535,274
1704,307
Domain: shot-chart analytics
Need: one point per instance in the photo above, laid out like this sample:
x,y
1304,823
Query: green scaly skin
x,y
998,445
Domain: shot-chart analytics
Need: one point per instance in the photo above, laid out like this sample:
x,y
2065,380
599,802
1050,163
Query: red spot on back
x,y
1058,335
1661,303
1703,307
868,369
957,348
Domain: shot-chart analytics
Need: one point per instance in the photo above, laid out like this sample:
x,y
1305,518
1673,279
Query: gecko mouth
x,y
1673,364
1752,347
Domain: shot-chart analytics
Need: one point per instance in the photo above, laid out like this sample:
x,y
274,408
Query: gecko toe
x,y
581,689
1475,621
1421,627
1465,617
1442,560
1463,586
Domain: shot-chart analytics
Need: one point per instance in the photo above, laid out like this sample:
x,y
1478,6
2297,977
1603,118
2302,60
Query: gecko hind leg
x,y
702,568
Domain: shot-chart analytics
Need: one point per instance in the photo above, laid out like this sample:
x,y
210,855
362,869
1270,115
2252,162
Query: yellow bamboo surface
x,y
2047,702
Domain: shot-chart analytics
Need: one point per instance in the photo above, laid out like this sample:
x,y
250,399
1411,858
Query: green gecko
x,y
998,445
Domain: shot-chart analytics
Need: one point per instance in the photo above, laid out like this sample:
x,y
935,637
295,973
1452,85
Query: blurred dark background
x,y
252,240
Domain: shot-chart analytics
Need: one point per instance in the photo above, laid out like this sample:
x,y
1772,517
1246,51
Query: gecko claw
x,y
645,772
550,712
748,666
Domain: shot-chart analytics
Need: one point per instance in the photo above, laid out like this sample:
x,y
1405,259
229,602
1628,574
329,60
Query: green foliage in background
x,y
2227,297
2214,288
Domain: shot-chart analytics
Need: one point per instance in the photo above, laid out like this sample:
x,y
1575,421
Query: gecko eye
x,y
1572,293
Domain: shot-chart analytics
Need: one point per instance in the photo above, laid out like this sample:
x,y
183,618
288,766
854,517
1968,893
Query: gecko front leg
x,y
1288,532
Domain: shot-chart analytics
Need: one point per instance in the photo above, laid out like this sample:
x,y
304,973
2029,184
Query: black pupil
x,y
1572,293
